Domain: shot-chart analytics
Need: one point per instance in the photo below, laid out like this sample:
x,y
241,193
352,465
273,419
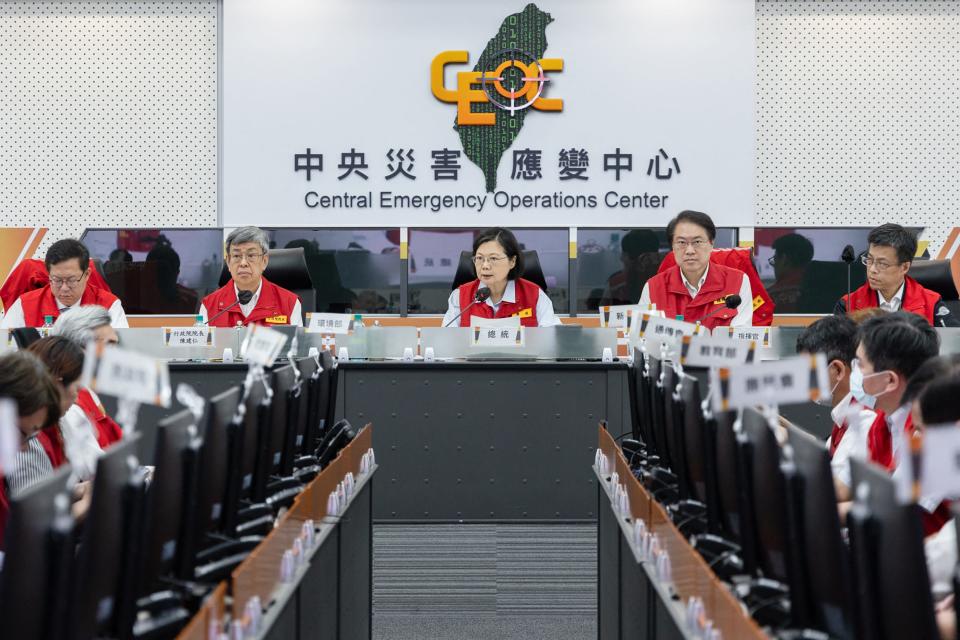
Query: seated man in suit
x,y
695,288
888,259
267,304
67,261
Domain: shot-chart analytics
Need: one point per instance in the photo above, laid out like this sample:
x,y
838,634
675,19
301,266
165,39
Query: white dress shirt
x,y
744,317
80,442
853,444
295,319
941,551
893,304
545,315
14,318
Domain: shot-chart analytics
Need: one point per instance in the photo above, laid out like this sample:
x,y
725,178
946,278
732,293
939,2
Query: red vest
x,y
52,442
31,274
668,292
526,294
4,509
106,430
40,302
916,299
836,435
274,306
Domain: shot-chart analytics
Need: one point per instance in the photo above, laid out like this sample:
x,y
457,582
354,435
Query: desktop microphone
x,y
481,296
243,297
731,302
848,256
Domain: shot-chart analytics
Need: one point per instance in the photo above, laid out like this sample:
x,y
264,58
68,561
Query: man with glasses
x,y
67,262
695,288
888,259
246,255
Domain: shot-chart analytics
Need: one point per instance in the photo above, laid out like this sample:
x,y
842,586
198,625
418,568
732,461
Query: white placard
x,y
760,335
262,345
128,375
392,152
507,337
329,323
657,331
621,316
786,381
940,465
713,351
187,336
495,323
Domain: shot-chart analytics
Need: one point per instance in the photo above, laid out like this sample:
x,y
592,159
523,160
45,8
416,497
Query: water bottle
x,y
47,322
358,321
198,321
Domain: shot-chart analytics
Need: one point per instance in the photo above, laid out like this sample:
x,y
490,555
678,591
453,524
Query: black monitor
x,y
205,512
654,366
99,588
672,428
901,601
254,423
175,449
642,393
328,391
694,439
824,555
731,494
30,568
304,399
279,423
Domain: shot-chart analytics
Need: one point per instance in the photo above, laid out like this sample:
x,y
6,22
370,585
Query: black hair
x,y
833,336
694,217
63,357
508,241
929,371
67,249
938,400
637,242
899,341
893,235
797,248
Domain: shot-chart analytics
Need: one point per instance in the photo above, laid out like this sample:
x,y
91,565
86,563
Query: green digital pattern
x,y
485,145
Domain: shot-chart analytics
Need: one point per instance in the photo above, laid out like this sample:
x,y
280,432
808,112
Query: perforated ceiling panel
x,y
109,114
858,114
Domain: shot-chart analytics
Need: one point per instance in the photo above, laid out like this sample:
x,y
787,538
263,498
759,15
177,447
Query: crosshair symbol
x,y
531,72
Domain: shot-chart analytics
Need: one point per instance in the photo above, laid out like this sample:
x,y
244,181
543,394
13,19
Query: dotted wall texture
x,y
109,114
858,114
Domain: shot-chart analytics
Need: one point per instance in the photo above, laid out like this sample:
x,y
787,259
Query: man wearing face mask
x,y
891,349
836,338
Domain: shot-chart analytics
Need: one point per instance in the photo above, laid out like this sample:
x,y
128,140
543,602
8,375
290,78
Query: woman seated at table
x,y
499,264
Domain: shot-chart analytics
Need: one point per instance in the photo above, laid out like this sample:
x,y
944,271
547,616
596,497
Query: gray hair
x,y
80,324
244,235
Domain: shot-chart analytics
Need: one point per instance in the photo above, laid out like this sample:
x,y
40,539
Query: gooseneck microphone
x,y
848,256
243,297
481,296
731,302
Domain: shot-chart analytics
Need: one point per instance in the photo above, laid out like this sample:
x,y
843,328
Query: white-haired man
x,y
268,304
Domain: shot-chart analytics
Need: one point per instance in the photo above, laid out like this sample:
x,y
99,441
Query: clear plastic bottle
x,y
47,322
358,321
198,321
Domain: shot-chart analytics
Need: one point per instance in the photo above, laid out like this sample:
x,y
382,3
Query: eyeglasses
x,y
492,260
696,244
69,283
250,256
881,265
771,259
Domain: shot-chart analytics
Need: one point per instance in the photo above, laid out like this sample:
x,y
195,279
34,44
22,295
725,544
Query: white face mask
x,y
856,386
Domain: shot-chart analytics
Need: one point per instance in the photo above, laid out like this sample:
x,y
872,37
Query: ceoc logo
x,y
517,83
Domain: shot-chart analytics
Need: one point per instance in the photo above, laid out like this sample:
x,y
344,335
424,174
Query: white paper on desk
x,y
329,323
940,461
126,374
495,323
760,335
187,337
713,351
502,338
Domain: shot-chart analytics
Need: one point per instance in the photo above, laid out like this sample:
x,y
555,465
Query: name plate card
x,y
760,335
657,331
787,381
620,316
494,323
187,337
715,351
502,338
329,323
940,461
126,374
262,345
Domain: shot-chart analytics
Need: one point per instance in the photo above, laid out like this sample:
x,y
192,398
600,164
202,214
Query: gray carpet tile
x,y
493,569
488,627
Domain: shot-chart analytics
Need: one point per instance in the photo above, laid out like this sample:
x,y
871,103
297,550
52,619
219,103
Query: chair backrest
x,y
287,268
825,282
532,270
937,275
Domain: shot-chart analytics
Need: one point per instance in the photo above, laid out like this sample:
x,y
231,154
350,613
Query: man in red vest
x,y
67,261
888,259
246,254
695,288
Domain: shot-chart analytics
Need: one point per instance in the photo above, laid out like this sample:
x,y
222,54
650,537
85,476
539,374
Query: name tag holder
x,y
500,338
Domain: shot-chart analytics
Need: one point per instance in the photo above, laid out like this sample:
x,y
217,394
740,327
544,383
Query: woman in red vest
x,y
268,304
695,288
499,264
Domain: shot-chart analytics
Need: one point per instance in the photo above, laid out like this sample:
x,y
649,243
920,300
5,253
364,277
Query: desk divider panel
x,y
213,608
691,575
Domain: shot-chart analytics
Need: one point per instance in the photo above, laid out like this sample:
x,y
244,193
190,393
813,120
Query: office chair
x,y
25,336
937,275
532,270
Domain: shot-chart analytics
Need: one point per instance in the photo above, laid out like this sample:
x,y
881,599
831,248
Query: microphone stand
x,y
462,311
